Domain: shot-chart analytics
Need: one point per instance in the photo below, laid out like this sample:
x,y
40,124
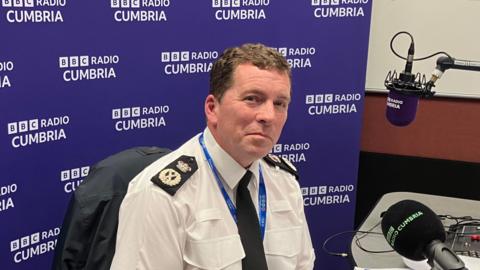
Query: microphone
x,y
415,232
405,89
402,101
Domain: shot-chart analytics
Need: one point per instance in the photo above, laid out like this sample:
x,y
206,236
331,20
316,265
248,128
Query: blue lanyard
x,y
262,194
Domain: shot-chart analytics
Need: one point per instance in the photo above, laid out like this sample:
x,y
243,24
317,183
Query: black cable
x,y
411,40
357,242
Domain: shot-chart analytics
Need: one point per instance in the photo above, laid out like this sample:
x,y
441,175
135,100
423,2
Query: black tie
x,y
249,228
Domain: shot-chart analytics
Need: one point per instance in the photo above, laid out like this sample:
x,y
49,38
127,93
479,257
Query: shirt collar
x,y
228,168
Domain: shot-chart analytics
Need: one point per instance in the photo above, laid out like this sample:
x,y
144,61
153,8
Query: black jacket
x,y
88,234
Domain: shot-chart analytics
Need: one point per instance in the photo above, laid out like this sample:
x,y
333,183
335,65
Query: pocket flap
x,y
280,206
213,254
208,214
283,242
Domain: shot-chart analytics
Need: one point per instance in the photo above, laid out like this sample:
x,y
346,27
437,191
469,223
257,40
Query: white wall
x,y
452,26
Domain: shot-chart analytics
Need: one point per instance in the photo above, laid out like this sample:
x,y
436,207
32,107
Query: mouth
x,y
259,134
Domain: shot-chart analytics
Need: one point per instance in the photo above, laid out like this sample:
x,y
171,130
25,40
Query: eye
x,y
283,104
251,99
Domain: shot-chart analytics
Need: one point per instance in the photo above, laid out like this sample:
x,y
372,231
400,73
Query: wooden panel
x,y
444,128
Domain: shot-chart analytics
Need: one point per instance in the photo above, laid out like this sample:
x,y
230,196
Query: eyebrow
x,y
259,92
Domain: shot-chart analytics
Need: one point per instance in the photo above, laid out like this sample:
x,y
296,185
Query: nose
x,y
266,113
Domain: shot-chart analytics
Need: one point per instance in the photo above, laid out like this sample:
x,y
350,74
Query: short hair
x,y
259,55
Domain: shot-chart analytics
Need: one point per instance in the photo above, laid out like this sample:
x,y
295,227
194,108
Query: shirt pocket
x,y
282,247
284,237
215,254
210,246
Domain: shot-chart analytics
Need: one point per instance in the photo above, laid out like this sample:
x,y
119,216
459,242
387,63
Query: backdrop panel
x,y
80,80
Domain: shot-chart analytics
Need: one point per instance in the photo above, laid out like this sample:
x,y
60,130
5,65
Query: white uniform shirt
x,y
193,229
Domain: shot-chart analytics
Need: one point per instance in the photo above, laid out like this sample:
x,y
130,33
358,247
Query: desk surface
x,y
439,204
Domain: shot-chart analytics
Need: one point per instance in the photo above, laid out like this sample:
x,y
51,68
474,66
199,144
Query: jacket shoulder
x,y
282,163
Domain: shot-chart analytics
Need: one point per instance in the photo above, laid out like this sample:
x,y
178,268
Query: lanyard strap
x,y
262,193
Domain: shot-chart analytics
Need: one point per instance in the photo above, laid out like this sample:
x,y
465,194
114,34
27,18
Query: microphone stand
x,y
440,257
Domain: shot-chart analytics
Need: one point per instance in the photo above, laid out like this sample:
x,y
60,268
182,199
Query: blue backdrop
x,y
80,80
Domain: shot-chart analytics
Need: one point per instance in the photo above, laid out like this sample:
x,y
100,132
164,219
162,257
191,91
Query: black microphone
x,y
415,232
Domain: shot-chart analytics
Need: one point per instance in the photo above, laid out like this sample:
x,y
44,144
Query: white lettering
x,y
255,3
54,121
5,204
332,109
348,97
326,200
40,16
240,14
341,188
140,15
8,189
299,63
338,12
39,137
155,3
296,147
142,123
204,55
89,74
5,82
104,60
187,68
51,3
155,110
6,66
34,251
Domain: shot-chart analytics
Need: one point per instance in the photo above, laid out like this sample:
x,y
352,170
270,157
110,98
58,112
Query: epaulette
x,y
281,163
175,174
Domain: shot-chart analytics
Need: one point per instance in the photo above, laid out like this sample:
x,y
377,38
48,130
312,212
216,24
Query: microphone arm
x,y
444,63
440,257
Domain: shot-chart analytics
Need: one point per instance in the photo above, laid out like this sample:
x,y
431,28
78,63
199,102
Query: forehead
x,y
250,75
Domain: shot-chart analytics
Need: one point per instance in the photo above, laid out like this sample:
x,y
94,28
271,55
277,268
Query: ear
x,y
211,104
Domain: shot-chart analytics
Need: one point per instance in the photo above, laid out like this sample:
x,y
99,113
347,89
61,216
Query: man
x,y
214,203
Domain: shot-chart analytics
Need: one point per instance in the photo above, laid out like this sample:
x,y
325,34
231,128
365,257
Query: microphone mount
x,y
409,84
416,85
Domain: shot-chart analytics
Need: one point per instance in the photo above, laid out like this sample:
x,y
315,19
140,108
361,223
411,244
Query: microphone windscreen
x,y
409,227
401,108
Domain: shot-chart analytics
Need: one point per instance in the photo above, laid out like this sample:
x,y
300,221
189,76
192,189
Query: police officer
x,y
220,201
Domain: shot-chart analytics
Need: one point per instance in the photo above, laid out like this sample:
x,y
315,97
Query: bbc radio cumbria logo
x,y
6,67
293,152
233,10
298,57
338,8
140,10
38,131
85,67
132,118
72,178
34,11
187,62
329,103
327,195
35,244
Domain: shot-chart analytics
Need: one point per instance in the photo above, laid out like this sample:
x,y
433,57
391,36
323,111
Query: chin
x,y
259,153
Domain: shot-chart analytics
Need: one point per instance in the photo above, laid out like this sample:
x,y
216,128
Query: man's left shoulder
x,y
281,163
